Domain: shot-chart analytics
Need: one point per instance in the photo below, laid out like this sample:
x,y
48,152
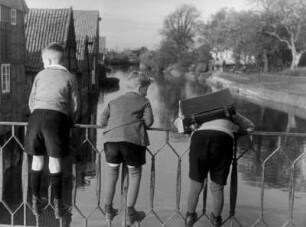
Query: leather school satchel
x,y
197,110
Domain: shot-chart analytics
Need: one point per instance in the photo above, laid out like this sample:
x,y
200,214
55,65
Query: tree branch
x,y
280,38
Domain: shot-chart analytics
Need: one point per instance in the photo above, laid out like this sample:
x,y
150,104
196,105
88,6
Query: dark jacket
x,y
126,118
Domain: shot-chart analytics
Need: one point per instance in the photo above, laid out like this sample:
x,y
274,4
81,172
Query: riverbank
x,y
175,72
286,92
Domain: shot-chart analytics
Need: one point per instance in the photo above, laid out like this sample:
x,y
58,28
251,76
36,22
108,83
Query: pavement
x,y
287,93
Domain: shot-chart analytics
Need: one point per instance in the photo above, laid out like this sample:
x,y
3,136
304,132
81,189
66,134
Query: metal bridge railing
x,y
21,213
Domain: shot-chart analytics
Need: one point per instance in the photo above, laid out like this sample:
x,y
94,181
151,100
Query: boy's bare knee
x,y
135,171
113,165
55,165
215,187
37,162
134,167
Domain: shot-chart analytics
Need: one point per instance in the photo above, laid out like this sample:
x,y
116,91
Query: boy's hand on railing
x,y
244,124
71,123
243,132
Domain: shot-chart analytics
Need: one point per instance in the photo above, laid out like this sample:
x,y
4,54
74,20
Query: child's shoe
x,y
191,218
110,212
215,221
133,216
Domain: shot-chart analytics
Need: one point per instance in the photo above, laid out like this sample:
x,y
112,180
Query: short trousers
x,y
48,132
210,151
129,153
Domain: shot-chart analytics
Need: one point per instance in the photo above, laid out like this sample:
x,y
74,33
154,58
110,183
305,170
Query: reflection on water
x,y
164,95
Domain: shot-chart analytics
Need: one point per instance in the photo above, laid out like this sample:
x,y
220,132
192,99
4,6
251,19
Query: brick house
x,y
12,60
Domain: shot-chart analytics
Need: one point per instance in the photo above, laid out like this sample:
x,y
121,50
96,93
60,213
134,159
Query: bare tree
x,y
286,21
180,27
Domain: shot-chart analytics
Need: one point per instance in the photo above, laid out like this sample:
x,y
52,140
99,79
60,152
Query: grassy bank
x,y
283,93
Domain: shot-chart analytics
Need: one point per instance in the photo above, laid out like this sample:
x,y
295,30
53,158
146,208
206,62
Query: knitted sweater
x,y
55,88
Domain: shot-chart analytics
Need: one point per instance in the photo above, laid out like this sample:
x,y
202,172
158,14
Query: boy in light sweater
x,y
54,106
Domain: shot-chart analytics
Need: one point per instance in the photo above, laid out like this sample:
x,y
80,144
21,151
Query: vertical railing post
x,y
124,188
25,185
234,182
1,174
291,192
262,190
98,176
152,183
178,184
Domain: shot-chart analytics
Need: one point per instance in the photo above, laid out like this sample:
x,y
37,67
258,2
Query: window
x,y
5,78
13,16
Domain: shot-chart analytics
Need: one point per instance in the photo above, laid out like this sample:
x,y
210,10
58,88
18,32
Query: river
x,y
164,95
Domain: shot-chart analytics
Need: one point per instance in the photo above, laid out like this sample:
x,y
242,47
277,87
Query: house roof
x,y
15,4
42,27
86,24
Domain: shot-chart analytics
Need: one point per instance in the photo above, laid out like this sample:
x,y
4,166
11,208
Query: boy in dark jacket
x,y
125,120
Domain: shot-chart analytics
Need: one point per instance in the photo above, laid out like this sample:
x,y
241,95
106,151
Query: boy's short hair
x,y
56,50
137,78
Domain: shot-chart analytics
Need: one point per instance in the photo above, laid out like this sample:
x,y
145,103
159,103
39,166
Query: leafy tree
x,y
203,54
148,60
187,59
180,27
242,33
248,40
214,33
166,54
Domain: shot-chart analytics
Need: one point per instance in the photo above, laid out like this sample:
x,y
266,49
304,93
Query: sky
x,y
131,24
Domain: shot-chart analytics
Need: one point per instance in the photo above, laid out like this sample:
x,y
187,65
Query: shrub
x,y
300,71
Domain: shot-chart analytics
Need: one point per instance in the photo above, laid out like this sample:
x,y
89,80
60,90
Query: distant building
x,y
102,49
227,57
84,72
102,41
87,30
12,60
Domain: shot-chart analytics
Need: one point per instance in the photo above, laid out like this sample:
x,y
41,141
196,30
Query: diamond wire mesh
x,y
21,213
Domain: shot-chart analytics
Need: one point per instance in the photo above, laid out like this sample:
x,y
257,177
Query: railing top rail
x,y
256,133
13,123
